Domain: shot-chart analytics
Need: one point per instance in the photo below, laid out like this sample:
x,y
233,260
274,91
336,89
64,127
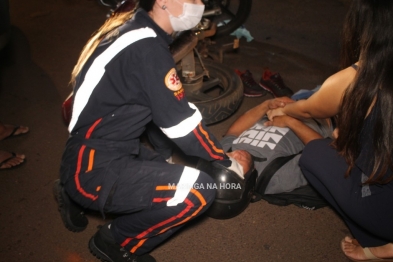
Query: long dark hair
x,y
369,39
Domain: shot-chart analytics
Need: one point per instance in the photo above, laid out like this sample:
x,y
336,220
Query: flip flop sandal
x,y
371,257
8,159
14,131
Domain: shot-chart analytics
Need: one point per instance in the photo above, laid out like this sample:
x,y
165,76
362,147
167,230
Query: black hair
x,y
146,5
368,38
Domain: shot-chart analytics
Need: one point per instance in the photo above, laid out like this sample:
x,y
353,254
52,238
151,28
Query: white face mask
x,y
190,17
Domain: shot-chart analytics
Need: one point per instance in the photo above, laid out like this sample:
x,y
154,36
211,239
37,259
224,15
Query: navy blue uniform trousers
x,y
142,195
366,209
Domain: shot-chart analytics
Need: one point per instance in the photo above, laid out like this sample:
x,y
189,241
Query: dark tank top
x,y
365,161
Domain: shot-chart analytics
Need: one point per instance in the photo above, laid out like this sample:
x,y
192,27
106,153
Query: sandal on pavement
x,y
370,257
9,162
16,130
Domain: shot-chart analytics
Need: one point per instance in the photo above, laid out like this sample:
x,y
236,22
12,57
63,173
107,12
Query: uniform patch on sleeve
x,y
172,80
179,94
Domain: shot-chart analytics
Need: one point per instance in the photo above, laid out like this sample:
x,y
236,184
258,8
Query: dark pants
x,y
160,142
152,198
367,210
142,231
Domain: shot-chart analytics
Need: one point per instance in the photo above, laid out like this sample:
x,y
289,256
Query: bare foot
x,y
354,251
7,130
8,160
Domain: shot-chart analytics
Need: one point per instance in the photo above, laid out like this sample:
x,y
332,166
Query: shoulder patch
x,y
172,80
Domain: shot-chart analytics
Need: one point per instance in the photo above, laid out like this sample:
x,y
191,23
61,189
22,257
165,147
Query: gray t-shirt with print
x,y
268,143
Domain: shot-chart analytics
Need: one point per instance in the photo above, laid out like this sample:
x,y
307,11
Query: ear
x,y
161,3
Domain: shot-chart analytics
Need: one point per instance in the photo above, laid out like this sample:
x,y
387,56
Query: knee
x,y
313,153
206,188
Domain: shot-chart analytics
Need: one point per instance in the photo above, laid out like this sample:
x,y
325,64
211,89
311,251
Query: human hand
x,y
275,112
279,121
243,158
335,133
279,102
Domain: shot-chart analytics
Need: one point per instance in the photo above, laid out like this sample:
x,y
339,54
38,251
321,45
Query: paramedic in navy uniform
x,y
125,78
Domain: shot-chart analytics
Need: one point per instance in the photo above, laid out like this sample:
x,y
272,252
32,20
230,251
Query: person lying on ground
x,y
266,140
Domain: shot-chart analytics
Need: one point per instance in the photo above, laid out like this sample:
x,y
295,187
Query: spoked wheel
x,y
231,13
218,96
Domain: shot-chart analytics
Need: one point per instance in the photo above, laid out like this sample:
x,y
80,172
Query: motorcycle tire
x,y
237,13
220,95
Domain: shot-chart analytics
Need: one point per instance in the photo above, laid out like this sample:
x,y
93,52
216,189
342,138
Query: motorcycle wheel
x,y
218,96
237,11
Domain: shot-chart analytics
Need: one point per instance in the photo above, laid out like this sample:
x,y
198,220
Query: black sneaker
x,y
103,246
71,213
274,84
251,88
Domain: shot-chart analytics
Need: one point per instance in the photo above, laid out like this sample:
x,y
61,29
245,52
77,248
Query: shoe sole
x,y
95,251
62,201
254,95
267,89
271,91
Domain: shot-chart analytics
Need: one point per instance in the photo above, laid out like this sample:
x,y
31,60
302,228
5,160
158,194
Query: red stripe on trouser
x,y
161,224
196,193
79,164
78,170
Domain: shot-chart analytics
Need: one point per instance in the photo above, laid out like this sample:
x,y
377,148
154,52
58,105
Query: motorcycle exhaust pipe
x,y
215,11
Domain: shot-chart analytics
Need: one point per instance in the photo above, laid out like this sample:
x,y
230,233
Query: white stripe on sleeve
x,y
184,127
97,69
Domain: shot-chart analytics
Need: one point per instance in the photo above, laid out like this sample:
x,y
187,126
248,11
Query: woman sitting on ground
x,y
354,172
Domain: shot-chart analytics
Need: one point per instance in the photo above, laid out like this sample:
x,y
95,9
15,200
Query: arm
x,y
249,118
324,103
301,130
178,119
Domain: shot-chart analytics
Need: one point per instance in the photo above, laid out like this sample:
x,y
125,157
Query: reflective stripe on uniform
x,y
186,183
186,126
97,69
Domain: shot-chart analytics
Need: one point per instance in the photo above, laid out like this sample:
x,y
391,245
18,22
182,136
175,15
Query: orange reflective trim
x,y
79,163
149,230
91,160
160,188
140,243
199,196
181,214
220,151
98,188
203,202
78,170
207,148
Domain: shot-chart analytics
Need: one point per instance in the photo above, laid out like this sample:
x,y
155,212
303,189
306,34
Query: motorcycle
x,y
213,87
230,14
